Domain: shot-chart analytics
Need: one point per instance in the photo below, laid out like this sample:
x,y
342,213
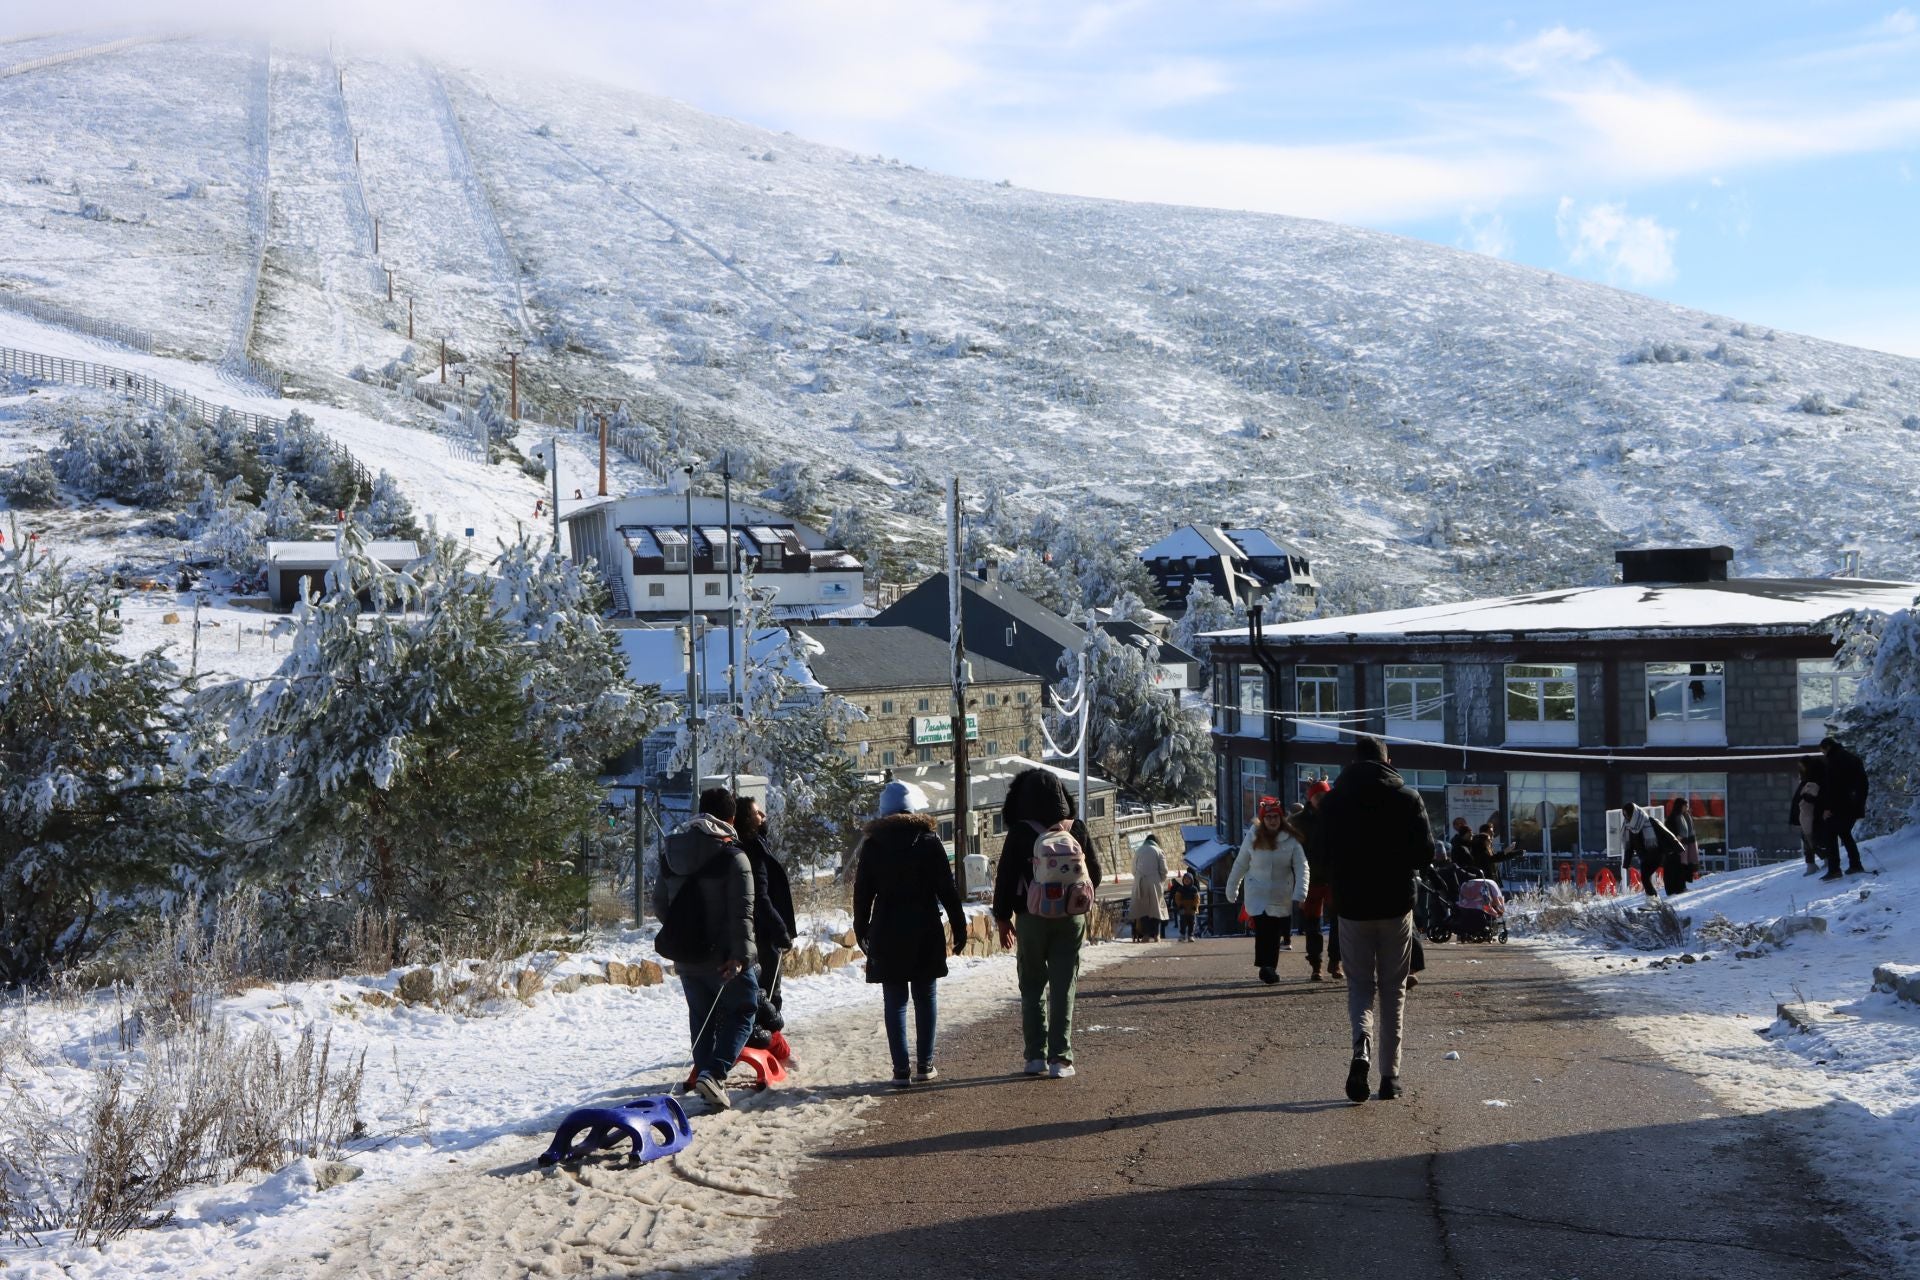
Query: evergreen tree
x,y
285,511
1142,736
1883,725
93,755
226,529
433,763
1205,612
387,514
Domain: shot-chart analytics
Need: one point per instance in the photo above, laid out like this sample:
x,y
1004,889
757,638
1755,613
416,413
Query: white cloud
x,y
1172,83
1900,22
1629,248
1554,48
1485,232
1096,20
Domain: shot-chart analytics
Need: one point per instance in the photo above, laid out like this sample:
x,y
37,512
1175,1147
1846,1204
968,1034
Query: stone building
x,y
897,676
1545,711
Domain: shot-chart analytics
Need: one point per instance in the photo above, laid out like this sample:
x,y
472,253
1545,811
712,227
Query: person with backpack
x,y
774,922
705,902
1376,837
1042,894
904,882
1271,871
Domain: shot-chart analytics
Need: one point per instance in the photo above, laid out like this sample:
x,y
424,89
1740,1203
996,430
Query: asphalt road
x,y
1207,1134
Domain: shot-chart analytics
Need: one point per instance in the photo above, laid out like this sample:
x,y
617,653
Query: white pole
x,y
1086,708
957,654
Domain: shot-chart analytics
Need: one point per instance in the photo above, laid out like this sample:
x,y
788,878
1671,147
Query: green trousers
x,y
1047,954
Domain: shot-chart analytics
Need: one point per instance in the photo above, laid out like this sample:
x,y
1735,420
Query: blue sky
x,y
1759,159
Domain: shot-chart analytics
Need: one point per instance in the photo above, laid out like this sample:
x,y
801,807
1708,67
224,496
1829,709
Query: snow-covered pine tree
x,y
224,527
433,763
1883,725
1206,612
795,488
387,514
93,755
1142,736
285,511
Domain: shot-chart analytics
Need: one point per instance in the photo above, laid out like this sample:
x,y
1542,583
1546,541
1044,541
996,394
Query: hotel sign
x,y
935,729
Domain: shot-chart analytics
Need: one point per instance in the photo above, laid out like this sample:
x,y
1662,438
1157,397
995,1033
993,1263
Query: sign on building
x,y
935,729
1476,802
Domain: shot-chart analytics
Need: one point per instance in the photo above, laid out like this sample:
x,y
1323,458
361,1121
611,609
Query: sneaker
x,y
901,1080
1061,1070
1389,1089
1286,946
1334,971
1269,976
926,1075
1357,1080
1833,875
714,1092
1313,974
1036,1066
1856,871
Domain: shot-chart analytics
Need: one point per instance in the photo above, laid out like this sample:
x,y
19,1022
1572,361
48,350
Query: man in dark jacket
x,y
1843,803
774,922
1375,836
704,857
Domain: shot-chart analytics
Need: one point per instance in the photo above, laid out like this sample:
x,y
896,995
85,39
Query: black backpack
x,y
684,936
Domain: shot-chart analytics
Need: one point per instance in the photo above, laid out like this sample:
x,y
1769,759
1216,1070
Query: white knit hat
x,y
902,797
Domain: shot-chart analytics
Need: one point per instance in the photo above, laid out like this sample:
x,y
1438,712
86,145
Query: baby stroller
x,y
1436,889
1480,912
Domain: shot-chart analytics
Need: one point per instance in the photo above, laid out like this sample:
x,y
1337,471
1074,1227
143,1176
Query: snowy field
x,y
1435,422
458,1108
1710,1006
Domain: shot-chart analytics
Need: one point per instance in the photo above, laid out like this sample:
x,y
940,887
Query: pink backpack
x,y
1060,886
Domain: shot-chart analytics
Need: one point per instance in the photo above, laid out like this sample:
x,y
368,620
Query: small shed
x,y
297,568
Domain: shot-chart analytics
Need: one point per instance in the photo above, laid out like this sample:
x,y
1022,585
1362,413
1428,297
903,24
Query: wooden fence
x,y
106,330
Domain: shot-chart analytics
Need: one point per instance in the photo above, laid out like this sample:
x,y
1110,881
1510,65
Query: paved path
x,y
1207,1135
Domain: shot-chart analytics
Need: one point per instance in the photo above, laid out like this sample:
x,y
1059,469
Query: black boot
x,y
1357,1080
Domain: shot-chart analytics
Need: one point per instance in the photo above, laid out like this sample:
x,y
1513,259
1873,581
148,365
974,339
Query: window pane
x,y
1317,673
1520,670
1523,701
1706,699
1399,700
1557,698
1816,697
1666,700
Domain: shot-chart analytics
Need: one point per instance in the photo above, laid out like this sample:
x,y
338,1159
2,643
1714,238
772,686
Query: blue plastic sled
x,y
656,1126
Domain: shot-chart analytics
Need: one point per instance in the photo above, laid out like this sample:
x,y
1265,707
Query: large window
x,y
1253,702
673,547
1686,703
1702,795
1416,702
1541,704
1253,785
1825,694
1432,786
1316,692
1543,812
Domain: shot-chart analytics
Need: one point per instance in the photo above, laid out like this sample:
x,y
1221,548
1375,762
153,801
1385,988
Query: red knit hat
x,y
1270,807
1318,787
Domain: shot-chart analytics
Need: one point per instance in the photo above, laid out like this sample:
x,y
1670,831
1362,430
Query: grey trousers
x,y
1378,955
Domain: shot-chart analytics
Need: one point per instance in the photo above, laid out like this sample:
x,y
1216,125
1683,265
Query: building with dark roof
x,y
1240,565
899,679
1000,623
1678,686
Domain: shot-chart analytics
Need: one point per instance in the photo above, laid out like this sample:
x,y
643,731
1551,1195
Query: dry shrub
x,y
199,1105
1624,921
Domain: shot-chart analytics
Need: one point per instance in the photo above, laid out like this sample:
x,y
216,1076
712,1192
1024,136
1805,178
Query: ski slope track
x,y
1426,423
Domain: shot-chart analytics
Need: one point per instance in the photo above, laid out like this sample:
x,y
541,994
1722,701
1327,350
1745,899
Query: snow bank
x,y
1760,955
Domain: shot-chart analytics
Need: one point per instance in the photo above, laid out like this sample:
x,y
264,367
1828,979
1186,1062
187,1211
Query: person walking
x,y
774,923
904,882
1460,847
1271,872
705,904
1033,904
1148,907
1844,803
1803,811
1186,901
1376,836
1318,904
1680,822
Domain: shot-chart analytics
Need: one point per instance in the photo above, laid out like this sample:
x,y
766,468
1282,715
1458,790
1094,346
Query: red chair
x,y
1580,876
1605,885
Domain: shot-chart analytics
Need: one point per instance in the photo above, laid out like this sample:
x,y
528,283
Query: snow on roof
x,y
641,541
1256,543
655,656
325,552
1739,605
1191,542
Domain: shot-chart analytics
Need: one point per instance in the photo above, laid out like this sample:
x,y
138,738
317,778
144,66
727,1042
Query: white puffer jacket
x,y
1275,878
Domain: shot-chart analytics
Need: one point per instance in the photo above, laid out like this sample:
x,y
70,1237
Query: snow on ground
x,y
460,1106
1716,1016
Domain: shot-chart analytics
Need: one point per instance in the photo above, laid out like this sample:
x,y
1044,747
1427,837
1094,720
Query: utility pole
x,y
733,621
1086,704
603,453
409,317
513,385
376,221
553,473
443,362
693,644
389,271
962,805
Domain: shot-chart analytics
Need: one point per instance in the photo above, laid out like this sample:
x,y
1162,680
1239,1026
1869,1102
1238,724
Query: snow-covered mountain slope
x,y
1409,413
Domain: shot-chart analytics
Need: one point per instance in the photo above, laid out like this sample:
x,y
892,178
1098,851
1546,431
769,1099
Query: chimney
x,y
1673,564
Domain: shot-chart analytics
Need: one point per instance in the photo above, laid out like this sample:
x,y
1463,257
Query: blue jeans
x,y
925,1009
732,1005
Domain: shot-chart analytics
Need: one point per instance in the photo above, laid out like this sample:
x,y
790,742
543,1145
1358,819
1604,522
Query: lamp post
x,y
693,646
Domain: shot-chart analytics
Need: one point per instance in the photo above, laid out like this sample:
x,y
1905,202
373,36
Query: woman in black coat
x,y
774,922
903,883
